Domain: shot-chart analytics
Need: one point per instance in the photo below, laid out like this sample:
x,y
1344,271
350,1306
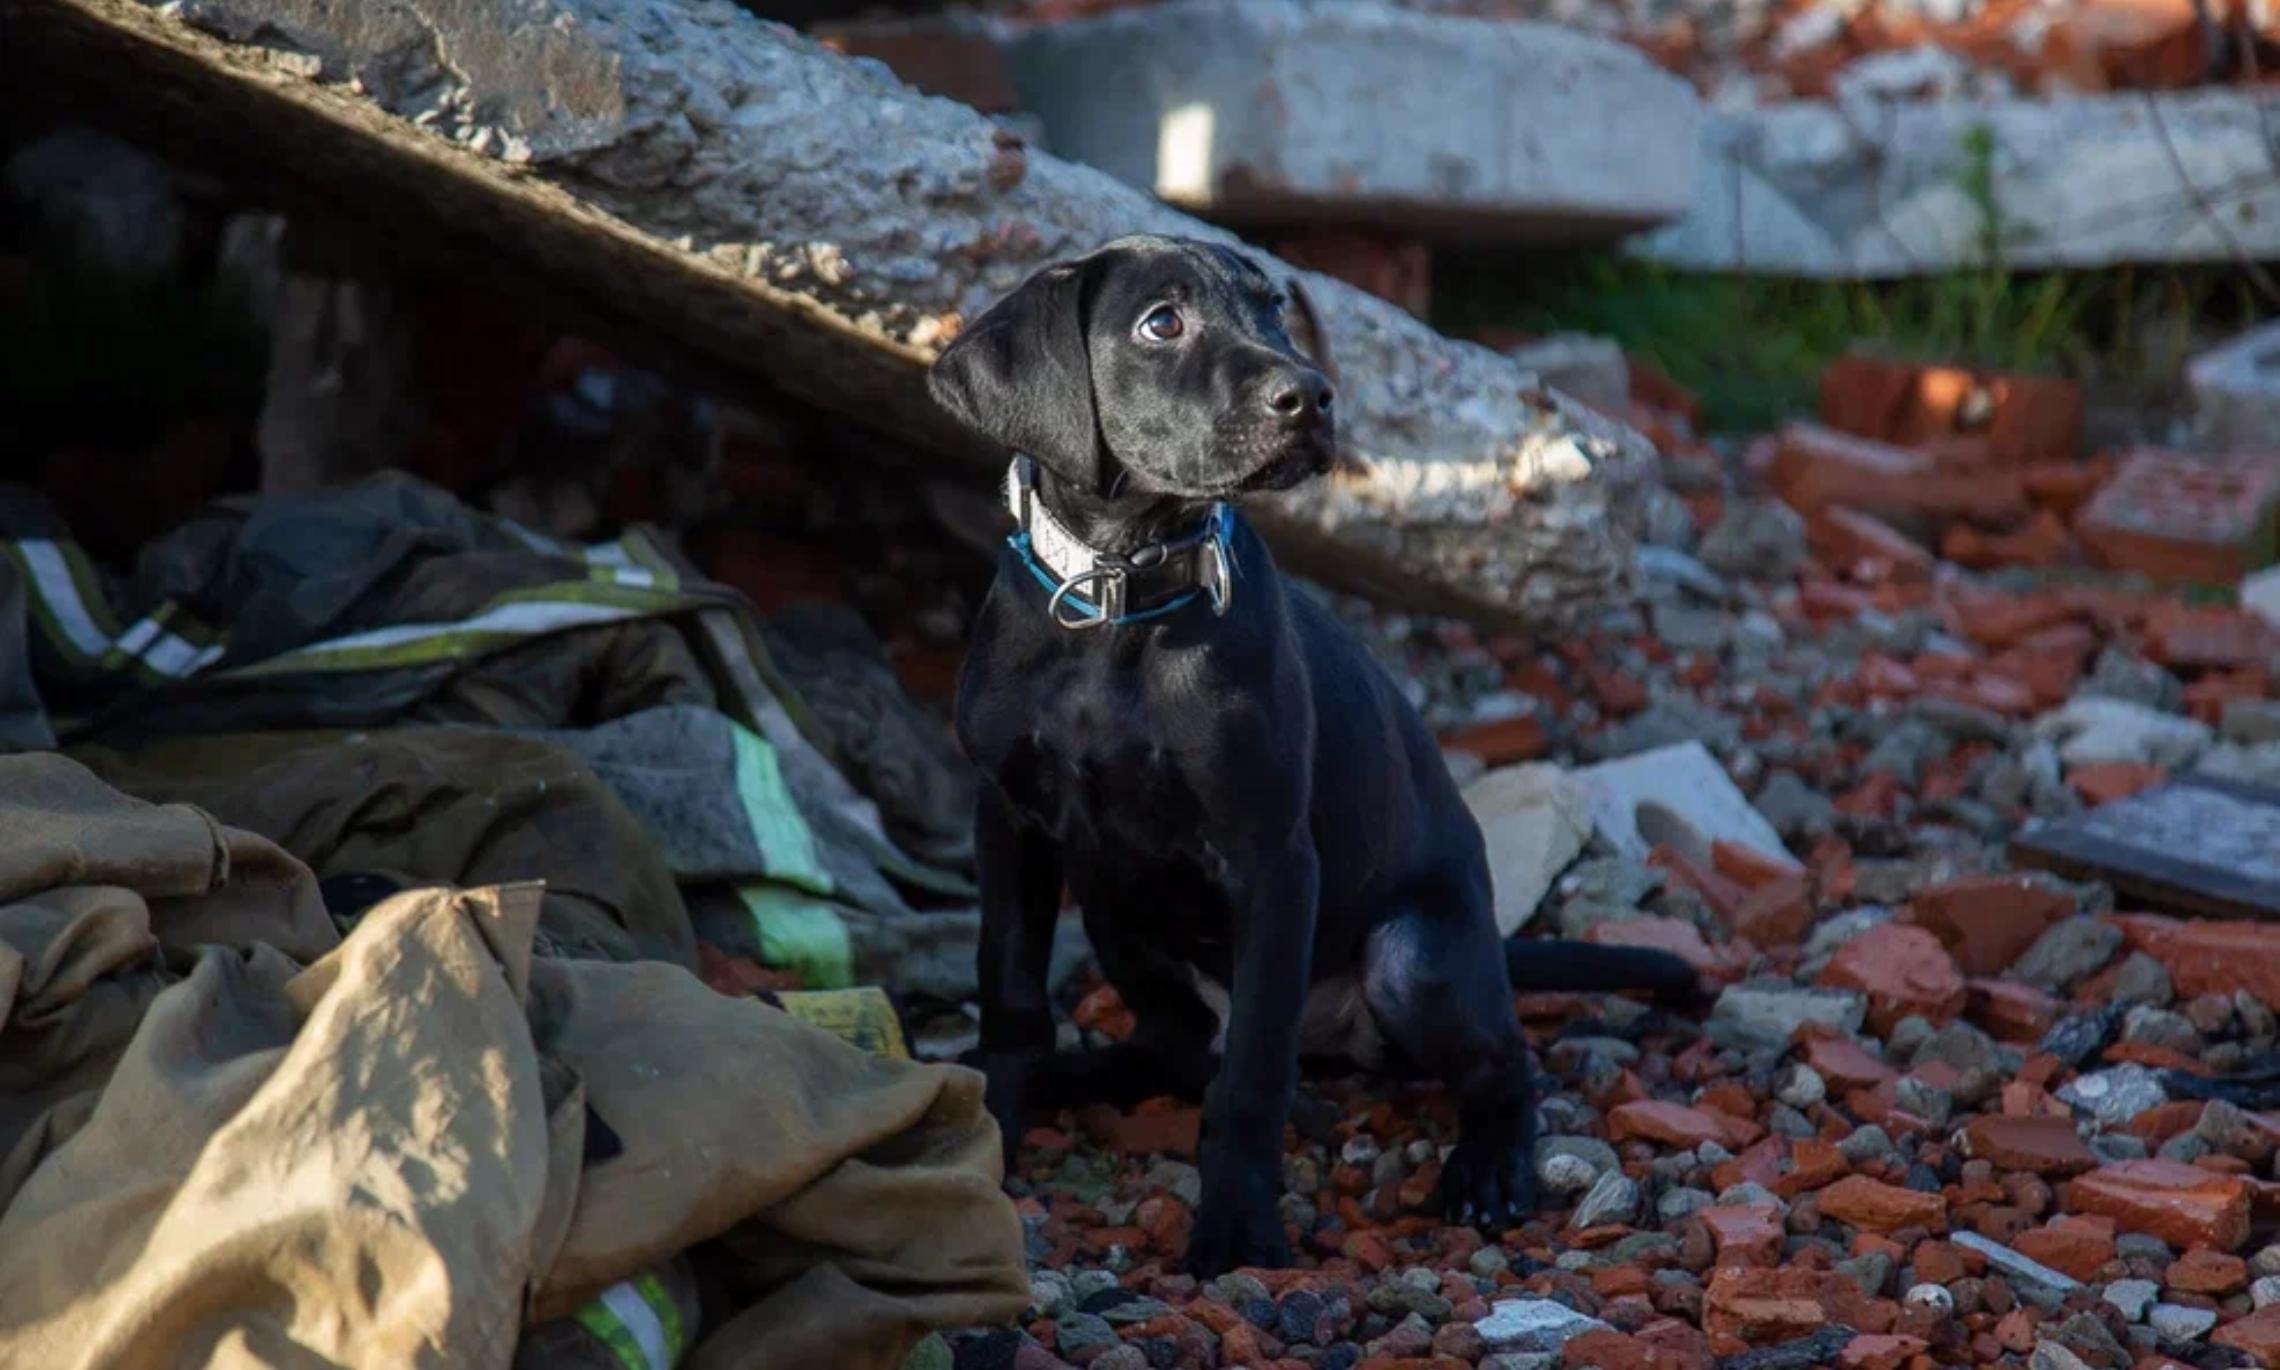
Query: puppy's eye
x,y
1161,324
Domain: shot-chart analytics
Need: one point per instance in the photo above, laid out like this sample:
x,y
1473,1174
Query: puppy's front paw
x,y
1489,1183
1007,1093
1236,1229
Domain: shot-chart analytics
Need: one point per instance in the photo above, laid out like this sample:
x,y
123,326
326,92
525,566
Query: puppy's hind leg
x,y
1435,980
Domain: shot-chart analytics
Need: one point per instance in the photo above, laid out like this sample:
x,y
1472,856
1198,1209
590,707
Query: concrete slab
x,y
1677,795
2236,392
1877,189
1281,111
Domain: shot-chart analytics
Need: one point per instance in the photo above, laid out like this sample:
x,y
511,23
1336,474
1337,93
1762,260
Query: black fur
x,y
1246,795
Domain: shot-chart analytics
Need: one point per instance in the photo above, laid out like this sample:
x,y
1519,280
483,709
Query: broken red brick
x,y
2207,957
1846,1064
2178,517
1872,1352
1502,742
2107,781
1988,921
2012,418
2072,1245
1757,1305
2181,1204
1677,1125
1815,467
1903,970
1880,1207
1674,935
2010,1010
2257,1334
1745,1234
2202,1271
2044,1145
1866,547
2209,637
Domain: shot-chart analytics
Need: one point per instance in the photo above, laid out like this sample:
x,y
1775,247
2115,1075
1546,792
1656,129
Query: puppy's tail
x,y
1541,964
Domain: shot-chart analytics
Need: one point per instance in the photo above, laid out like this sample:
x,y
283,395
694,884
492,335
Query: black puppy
x,y
1270,853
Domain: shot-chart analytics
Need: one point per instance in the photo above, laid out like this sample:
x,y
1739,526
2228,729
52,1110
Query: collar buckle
x,y
1102,584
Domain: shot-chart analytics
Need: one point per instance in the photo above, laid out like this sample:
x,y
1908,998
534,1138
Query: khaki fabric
x,y
375,1161
434,806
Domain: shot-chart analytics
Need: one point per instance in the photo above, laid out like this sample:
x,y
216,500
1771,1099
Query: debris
x,y
2179,517
1536,821
1169,99
1809,188
1677,795
2196,845
583,167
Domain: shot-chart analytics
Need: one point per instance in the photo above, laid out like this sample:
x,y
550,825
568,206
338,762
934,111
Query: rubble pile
x,y
1740,54
1947,1107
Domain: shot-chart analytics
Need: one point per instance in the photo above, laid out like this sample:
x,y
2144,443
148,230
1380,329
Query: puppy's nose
x,y
1299,397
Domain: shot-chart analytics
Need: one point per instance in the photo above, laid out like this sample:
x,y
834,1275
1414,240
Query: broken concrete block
x,y
1535,820
1593,369
1811,189
707,189
1677,796
2236,392
2178,516
1277,111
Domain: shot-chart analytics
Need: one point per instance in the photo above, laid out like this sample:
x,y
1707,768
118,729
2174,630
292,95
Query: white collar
x,y
1088,582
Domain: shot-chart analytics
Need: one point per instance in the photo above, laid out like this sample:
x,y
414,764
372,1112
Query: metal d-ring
x,y
1110,604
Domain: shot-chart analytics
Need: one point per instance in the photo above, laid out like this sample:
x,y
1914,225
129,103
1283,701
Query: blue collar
x,y
1095,589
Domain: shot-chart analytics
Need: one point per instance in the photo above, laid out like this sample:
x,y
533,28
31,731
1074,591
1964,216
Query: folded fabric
x,y
384,1158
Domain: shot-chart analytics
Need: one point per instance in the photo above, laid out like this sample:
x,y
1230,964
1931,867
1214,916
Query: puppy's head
x,y
1153,366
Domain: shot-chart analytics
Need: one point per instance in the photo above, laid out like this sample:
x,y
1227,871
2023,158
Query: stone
x,y
1677,795
1879,1207
2016,1264
2067,951
2090,729
1536,822
1988,921
2177,1322
2265,1292
1797,811
1903,970
2043,1145
2181,1204
1271,112
1533,1325
1614,1198
2114,1096
1756,540
1812,188
1767,1013
2140,979
2133,1297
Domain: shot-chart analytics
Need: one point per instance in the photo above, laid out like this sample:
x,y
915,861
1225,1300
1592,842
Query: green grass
x,y
1753,347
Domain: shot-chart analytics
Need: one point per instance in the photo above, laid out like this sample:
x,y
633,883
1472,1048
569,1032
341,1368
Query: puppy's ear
x,y
1021,374
1307,332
